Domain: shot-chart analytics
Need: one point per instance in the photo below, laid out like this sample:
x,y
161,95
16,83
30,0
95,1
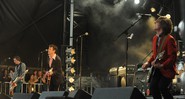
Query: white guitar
x,y
13,84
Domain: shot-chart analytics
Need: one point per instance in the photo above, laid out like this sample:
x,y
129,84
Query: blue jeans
x,y
18,87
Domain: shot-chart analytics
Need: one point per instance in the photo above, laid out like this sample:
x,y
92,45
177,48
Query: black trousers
x,y
54,86
160,85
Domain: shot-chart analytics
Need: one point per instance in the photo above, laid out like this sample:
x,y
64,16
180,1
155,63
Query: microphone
x,y
131,36
44,51
142,15
85,34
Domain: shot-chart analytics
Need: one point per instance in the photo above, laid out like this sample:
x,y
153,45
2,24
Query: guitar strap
x,y
161,45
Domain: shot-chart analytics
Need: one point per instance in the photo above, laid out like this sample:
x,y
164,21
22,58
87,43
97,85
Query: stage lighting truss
x,y
70,70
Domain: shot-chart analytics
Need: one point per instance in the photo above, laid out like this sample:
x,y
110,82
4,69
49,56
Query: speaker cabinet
x,y
53,95
79,94
3,96
117,93
26,96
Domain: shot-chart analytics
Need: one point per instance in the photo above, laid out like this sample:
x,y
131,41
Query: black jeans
x,y
160,85
53,85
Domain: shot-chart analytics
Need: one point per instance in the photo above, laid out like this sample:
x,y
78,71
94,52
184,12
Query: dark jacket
x,y
57,76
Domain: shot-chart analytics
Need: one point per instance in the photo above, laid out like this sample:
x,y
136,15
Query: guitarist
x,y
20,68
165,68
54,63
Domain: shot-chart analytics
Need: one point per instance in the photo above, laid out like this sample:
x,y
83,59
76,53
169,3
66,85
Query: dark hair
x,y
166,24
54,47
17,58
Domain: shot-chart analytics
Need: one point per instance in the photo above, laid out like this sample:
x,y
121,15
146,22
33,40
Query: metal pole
x,y
71,22
126,59
80,74
71,33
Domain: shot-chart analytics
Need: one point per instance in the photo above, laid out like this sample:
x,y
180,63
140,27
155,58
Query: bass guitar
x,y
13,84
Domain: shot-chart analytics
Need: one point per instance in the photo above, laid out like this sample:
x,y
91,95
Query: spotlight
x,y
168,16
71,88
152,9
70,51
71,70
70,60
71,79
136,1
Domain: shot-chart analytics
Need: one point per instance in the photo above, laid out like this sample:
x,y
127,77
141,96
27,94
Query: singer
x,y
56,77
164,69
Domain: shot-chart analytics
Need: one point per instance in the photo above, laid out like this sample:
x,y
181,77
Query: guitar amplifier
x,y
131,69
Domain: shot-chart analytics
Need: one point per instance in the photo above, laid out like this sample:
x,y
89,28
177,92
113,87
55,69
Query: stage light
x,y
152,9
71,79
168,16
70,70
71,88
70,51
136,1
70,60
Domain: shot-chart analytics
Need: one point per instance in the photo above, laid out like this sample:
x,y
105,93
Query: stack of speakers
x,y
99,93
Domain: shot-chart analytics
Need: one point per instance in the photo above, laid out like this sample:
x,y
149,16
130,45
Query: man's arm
x,y
171,53
23,67
15,74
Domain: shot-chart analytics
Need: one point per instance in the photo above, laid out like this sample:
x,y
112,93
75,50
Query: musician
x,y
54,62
20,68
165,69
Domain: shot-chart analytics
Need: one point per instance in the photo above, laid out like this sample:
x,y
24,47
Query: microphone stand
x,y
80,72
125,32
81,58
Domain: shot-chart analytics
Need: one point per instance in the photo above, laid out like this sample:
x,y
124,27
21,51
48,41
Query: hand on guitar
x,y
49,74
145,66
158,65
13,84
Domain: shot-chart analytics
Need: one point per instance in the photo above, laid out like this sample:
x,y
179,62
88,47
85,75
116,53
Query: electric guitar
x,y
14,83
48,74
152,70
